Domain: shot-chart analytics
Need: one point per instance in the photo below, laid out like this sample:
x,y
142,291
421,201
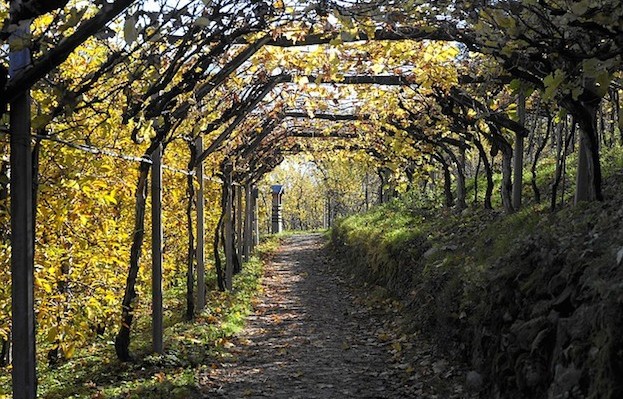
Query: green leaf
x,y
514,85
68,350
552,82
52,333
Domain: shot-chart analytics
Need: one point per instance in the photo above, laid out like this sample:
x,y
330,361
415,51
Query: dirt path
x,y
310,337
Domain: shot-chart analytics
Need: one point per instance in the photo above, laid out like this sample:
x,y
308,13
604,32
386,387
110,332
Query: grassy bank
x,y
532,300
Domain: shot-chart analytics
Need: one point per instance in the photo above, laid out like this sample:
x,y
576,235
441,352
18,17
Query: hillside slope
x,y
533,301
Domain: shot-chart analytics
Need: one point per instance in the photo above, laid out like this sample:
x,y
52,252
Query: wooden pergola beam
x,y
403,33
328,117
315,135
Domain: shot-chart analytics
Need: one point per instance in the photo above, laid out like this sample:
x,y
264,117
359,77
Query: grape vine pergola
x,y
198,47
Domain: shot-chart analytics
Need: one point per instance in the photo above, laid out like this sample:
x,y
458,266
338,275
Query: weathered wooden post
x,y
156,249
248,223
256,216
277,218
239,223
22,225
229,256
201,285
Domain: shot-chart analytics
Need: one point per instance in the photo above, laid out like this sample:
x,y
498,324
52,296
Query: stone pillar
x,y
277,217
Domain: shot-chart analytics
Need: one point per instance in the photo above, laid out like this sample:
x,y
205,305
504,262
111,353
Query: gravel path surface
x,y
311,336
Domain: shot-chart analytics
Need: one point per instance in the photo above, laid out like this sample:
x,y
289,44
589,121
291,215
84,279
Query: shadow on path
x,y
307,339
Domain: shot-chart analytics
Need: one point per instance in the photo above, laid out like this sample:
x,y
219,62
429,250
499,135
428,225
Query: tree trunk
x,y
558,172
564,170
602,126
228,227
122,340
583,190
488,173
532,137
447,182
561,154
237,230
461,192
217,234
460,178
517,184
5,351
535,160
499,143
476,175
507,185
588,177
614,116
381,192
